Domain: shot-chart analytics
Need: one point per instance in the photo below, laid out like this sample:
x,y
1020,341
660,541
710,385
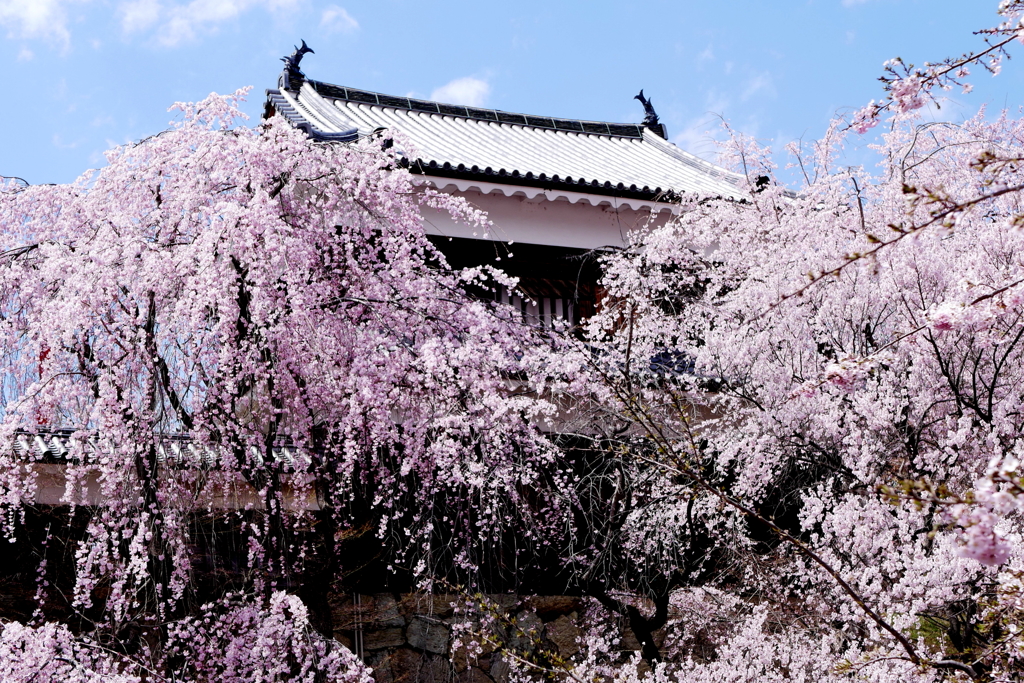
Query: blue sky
x,y
83,75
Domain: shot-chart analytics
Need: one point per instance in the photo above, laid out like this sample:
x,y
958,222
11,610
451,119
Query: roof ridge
x,y
337,92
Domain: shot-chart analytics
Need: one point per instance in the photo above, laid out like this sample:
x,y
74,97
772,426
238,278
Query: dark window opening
x,y
555,283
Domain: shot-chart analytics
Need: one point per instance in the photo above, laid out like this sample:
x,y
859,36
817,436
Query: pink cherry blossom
x,y
244,323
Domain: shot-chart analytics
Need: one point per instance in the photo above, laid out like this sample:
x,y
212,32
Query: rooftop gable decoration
x,y
651,119
292,76
618,159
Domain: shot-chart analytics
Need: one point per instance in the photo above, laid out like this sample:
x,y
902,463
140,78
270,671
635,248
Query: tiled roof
x,y
58,447
316,128
334,92
625,160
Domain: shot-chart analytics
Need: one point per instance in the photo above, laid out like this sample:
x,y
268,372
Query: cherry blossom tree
x,y
241,322
790,437
811,408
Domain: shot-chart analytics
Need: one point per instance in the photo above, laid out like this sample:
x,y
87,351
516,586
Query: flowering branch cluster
x,y
768,457
909,87
270,309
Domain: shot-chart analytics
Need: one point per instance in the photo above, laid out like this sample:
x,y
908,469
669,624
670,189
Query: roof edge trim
x,y
281,105
483,187
544,182
337,92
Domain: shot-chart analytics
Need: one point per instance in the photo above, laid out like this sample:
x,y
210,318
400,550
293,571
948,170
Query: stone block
x,y
462,657
341,612
384,638
499,669
469,654
550,607
562,632
473,675
399,666
375,659
497,630
428,634
505,601
385,612
526,633
347,616
434,669
439,606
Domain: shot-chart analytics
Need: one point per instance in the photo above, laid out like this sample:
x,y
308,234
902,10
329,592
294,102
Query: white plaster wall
x,y
549,218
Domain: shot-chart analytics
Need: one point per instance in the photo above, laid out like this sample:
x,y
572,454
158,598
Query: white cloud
x,y
851,3
336,20
177,22
139,15
946,109
36,19
184,21
59,143
25,55
762,82
698,137
468,90
176,29
702,135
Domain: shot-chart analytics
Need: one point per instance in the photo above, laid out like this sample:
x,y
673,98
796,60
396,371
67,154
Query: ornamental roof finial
x,y
292,76
651,117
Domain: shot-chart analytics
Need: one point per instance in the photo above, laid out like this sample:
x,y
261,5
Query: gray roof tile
x,y
503,147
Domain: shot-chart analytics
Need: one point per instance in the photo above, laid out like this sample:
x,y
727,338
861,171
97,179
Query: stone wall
x,y
412,638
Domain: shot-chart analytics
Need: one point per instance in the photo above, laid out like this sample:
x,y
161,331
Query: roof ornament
x,y
651,117
292,76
